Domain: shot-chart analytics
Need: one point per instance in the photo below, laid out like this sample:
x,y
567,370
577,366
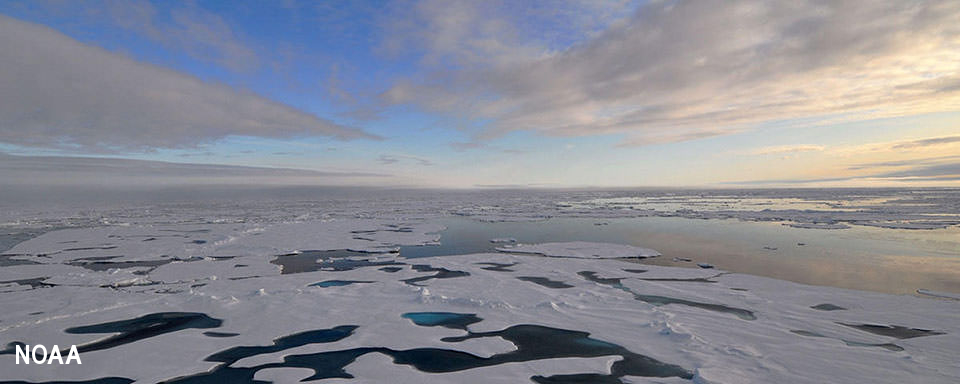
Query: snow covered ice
x,y
285,297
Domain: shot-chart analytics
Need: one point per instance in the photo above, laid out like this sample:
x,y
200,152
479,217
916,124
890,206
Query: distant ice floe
x,y
806,208
583,250
906,209
945,295
818,225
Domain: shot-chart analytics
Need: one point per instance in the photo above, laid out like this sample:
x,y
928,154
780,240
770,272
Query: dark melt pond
x,y
887,346
664,300
338,283
533,342
336,260
543,281
133,330
896,331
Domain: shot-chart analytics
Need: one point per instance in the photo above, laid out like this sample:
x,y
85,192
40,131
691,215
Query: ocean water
x,y
867,258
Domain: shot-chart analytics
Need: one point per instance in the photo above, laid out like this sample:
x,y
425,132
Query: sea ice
x,y
691,318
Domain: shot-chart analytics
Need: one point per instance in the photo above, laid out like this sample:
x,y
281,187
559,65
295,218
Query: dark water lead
x,y
498,267
101,248
11,237
543,281
220,334
9,261
234,354
690,280
896,331
224,373
664,300
338,283
132,330
887,346
105,380
99,265
34,283
441,273
613,282
143,327
336,260
828,307
533,342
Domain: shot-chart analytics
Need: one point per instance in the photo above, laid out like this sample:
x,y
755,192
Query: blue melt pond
x,y
442,319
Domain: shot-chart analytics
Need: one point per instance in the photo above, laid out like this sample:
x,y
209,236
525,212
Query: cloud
x,y
185,27
63,170
948,170
781,149
927,142
904,163
58,92
683,70
894,148
918,170
393,159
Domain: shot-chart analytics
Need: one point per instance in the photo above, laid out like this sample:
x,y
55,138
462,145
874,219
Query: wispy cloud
x,y
394,159
929,171
783,149
914,172
59,92
927,142
184,27
677,71
905,163
916,145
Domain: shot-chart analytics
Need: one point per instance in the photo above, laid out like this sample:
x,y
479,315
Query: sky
x,y
481,94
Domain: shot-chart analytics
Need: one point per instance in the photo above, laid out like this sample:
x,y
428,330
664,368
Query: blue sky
x,y
467,94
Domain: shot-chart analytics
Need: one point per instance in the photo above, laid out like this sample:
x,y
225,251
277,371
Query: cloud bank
x,y
58,92
67,171
928,142
683,70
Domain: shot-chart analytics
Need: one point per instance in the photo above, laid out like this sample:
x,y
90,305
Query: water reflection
x,y
866,258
